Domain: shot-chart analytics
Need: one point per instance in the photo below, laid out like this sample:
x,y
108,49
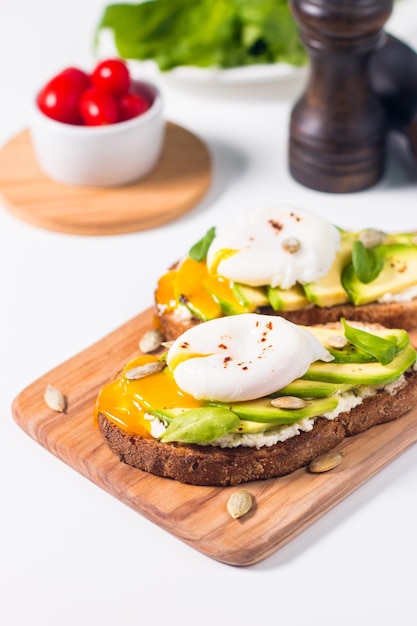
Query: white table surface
x,y
69,552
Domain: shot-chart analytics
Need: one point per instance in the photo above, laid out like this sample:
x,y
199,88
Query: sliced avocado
x,y
324,332
291,299
408,238
362,373
247,427
402,338
251,296
399,271
351,353
328,290
261,410
312,389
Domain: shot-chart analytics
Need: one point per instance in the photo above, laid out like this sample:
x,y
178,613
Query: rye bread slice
x,y
392,315
209,465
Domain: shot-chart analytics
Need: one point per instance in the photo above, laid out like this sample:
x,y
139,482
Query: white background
x,y
69,552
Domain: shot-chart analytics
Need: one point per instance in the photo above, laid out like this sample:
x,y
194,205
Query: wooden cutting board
x,y
283,508
179,181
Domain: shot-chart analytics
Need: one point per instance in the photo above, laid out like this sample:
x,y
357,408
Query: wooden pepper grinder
x,y
338,127
393,72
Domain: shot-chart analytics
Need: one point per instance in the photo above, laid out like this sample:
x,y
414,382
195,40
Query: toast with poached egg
x,y
288,262
251,397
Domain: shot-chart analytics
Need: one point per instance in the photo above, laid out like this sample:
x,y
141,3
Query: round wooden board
x,y
175,186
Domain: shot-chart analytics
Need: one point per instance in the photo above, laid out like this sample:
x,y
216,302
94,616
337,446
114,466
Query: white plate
x,y
246,75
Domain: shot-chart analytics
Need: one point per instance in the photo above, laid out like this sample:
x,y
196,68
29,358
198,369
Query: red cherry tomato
x,y
80,80
98,107
111,75
131,105
60,97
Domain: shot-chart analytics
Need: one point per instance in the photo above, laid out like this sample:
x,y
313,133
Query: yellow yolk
x,y
165,290
126,402
201,291
219,256
190,290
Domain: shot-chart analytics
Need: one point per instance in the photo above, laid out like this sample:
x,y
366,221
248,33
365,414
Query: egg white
x,y
242,357
254,250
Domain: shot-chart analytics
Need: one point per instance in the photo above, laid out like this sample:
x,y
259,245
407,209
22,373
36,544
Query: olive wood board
x,y
179,181
283,507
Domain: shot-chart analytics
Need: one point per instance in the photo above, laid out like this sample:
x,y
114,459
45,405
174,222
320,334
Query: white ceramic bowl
x,y
104,156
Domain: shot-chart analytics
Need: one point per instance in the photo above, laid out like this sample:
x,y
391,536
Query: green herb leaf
x,y
200,425
382,349
198,251
367,262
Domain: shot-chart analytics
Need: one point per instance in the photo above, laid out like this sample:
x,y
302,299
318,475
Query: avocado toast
x,y
368,275
339,380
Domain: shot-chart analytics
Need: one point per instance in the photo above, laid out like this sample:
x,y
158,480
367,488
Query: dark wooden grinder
x,y
393,73
338,127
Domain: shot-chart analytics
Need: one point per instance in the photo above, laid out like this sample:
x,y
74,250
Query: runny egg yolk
x,y
219,256
127,402
197,288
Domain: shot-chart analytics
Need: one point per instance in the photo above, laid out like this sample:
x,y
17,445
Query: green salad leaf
x,y
200,425
207,33
382,349
367,262
198,251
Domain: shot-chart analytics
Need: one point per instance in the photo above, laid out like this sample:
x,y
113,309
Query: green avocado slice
x,y
398,272
261,410
254,297
291,299
354,354
362,373
328,290
312,389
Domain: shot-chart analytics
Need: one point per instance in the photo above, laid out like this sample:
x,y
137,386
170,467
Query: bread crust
x,y
392,315
209,465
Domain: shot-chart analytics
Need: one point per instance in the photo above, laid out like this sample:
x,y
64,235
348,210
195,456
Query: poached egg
x,y
242,357
276,246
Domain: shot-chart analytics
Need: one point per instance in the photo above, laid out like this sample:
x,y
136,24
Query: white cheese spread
x,y
402,296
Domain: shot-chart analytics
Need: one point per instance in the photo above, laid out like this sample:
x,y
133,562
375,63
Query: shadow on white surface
x,y
342,513
401,164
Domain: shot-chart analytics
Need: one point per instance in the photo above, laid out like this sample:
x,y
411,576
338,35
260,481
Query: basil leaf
x,y
198,251
200,425
382,349
367,262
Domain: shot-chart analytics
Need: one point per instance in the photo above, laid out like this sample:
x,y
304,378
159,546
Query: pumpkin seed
x,y
289,402
55,399
150,341
371,237
291,245
239,503
326,462
336,341
141,371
